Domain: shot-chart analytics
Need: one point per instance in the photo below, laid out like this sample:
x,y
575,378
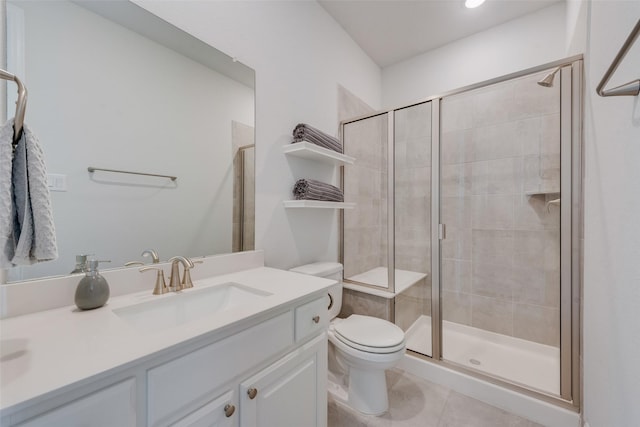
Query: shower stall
x,y
468,221
243,165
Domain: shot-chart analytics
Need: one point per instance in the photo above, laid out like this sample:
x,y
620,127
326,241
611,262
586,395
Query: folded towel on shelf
x,y
315,136
310,189
31,237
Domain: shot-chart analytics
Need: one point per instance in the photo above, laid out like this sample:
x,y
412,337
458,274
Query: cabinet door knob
x,y
316,319
252,392
229,410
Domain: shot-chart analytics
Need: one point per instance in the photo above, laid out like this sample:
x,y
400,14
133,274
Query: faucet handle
x,y
186,280
130,263
161,286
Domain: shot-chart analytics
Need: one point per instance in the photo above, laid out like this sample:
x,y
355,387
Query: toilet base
x,y
368,391
365,392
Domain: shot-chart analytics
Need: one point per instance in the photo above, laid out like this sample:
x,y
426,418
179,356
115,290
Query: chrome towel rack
x,y
92,169
628,89
21,105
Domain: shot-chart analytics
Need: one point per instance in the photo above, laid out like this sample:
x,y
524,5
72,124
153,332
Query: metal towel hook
x,y
21,106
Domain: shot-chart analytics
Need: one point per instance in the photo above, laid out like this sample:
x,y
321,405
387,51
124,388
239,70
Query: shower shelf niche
x,y
309,151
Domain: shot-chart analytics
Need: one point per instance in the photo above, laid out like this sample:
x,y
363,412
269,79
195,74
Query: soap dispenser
x,y
81,264
93,290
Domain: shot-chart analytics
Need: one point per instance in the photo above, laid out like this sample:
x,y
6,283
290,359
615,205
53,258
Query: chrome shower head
x,y
547,81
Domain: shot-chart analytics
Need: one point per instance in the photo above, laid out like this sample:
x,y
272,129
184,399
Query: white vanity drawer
x,y
175,385
220,412
312,317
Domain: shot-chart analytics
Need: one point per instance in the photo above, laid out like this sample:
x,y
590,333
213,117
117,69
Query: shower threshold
x,y
531,364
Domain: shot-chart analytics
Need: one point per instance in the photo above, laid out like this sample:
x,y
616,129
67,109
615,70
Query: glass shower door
x,y
500,259
412,218
365,228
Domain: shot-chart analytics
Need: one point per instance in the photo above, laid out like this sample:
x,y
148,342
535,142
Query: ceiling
x,y
390,31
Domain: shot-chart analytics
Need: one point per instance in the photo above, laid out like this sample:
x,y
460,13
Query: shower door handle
x,y
442,231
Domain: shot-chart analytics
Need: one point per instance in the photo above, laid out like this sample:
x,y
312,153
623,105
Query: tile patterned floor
x,y
414,402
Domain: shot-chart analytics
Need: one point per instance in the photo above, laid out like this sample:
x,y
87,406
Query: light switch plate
x,y
57,182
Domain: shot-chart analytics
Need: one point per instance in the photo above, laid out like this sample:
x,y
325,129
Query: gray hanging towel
x,y
32,236
7,243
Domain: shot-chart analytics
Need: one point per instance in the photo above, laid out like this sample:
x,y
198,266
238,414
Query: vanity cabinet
x,y
197,377
271,372
111,406
288,392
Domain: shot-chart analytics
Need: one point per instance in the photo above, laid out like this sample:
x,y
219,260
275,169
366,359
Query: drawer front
x,y
221,412
111,406
312,317
175,385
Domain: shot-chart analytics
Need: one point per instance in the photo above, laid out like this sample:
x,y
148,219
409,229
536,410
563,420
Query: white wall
x,y
3,65
300,55
516,45
611,319
101,95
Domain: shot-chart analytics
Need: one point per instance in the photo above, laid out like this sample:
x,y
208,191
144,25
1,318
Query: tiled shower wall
x,y
500,151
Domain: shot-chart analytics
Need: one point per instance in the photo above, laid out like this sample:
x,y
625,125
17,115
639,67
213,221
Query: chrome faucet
x,y
153,254
175,284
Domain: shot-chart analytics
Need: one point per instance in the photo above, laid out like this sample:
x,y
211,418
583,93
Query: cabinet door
x,y
291,392
221,412
109,407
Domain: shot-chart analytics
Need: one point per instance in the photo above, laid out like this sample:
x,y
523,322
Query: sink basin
x,y
172,310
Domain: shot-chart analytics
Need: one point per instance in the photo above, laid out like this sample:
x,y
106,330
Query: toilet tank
x,y
327,270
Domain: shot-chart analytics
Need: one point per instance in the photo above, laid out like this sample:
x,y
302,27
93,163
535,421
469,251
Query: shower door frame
x,y
571,227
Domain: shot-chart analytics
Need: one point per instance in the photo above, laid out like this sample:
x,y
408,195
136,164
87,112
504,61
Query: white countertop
x,y
44,351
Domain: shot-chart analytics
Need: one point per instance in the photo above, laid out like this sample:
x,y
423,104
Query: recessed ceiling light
x,y
473,3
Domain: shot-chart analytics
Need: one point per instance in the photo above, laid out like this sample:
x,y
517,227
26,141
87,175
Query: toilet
x,y
361,348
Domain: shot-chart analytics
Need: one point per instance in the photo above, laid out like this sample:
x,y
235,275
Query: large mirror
x,y
111,86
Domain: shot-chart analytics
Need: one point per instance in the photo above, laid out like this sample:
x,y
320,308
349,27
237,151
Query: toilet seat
x,y
369,334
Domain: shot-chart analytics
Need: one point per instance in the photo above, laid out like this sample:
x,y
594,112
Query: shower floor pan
x,y
528,363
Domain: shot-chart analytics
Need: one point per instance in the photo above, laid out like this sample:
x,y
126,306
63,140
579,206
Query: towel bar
x,y
628,89
21,105
92,169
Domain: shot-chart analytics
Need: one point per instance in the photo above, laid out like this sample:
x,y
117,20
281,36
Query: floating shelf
x,y
541,192
318,204
307,150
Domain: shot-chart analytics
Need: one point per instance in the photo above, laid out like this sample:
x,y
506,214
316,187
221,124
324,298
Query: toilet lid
x,y
369,332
